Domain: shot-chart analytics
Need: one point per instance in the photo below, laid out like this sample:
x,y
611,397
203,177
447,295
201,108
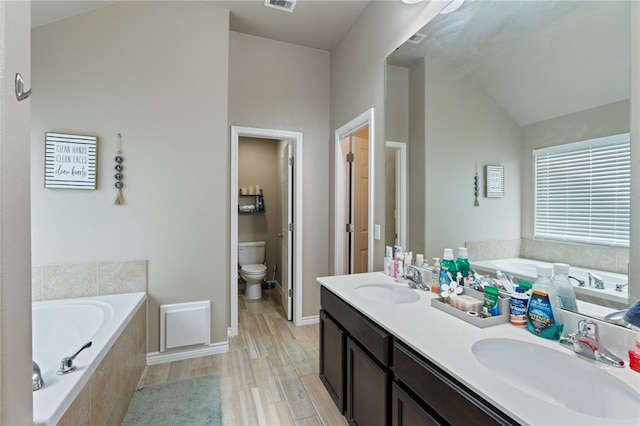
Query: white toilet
x,y
252,267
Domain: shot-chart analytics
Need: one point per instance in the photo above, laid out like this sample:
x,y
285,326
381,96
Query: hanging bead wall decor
x,y
476,187
119,176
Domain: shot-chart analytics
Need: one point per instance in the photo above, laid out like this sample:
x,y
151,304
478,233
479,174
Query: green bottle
x,y
447,268
462,263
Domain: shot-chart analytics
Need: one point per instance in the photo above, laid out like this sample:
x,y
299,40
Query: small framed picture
x,y
70,161
494,181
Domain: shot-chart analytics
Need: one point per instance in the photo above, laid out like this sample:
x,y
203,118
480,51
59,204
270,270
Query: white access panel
x,y
185,324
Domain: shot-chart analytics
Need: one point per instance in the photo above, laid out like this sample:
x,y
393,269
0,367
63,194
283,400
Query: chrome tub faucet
x,y
585,343
598,282
36,377
66,364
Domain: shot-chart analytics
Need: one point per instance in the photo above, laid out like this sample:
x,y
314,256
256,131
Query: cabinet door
x,y
367,388
405,411
332,359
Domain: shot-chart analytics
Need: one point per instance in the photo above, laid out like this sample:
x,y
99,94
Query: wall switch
x,y
376,232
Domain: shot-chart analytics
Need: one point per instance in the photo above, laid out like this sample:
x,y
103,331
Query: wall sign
x,y
70,161
495,181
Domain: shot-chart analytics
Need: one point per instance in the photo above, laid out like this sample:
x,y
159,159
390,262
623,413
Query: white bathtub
x,y
525,269
60,327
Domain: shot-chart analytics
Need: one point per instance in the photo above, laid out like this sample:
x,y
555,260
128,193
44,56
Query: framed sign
x,y
494,181
70,161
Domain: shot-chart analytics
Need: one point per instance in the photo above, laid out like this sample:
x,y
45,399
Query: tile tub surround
x,y
52,282
105,398
446,341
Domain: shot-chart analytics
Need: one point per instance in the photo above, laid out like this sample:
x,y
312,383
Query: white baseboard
x,y
212,349
315,319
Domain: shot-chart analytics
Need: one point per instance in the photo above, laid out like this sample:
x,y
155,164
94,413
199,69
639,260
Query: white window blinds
x,y
583,191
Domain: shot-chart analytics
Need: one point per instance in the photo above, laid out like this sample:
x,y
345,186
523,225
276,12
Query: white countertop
x,y
446,341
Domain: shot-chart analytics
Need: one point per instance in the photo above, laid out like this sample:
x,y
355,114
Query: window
x,y
583,191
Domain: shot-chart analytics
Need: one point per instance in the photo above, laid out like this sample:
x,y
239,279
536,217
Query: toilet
x,y
252,267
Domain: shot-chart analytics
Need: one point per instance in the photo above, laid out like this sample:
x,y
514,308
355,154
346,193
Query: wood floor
x,y
270,374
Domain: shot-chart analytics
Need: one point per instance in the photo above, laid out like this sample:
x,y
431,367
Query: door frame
x,y
364,119
400,149
296,138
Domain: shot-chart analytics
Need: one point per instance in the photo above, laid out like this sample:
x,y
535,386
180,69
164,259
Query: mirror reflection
x,y
490,85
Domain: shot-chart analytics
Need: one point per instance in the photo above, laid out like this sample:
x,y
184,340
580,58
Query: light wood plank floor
x,y
270,374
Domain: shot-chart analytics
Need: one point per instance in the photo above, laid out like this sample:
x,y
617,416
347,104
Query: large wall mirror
x,y
487,84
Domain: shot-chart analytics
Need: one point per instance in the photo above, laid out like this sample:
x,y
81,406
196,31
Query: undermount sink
x,y
558,378
387,293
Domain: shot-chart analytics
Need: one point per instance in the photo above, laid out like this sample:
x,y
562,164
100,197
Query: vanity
x,y
387,357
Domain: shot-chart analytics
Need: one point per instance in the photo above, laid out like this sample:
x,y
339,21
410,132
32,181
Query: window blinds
x,y
583,191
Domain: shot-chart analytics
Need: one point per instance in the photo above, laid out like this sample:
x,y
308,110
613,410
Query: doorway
x,y
354,228
291,234
396,194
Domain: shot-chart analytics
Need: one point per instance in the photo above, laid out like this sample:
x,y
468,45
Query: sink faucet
x,y
599,282
66,364
414,276
580,282
620,286
36,377
585,343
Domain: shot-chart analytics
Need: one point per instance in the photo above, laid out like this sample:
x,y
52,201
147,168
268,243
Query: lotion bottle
x,y
435,276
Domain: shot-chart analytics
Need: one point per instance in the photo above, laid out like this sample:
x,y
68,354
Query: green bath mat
x,y
193,401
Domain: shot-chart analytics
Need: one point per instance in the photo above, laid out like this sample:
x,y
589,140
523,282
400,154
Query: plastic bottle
x,y
566,295
543,312
435,276
519,301
447,268
462,264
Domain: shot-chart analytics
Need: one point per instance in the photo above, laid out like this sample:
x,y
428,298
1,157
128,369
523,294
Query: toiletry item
x,y
419,259
526,285
485,313
466,303
435,276
491,300
462,264
566,295
447,268
543,312
387,265
518,305
634,348
505,282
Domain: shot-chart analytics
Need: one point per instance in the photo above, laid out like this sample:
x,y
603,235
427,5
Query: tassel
x,y
119,199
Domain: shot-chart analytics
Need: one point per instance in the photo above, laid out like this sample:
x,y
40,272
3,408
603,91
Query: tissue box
x,y
466,303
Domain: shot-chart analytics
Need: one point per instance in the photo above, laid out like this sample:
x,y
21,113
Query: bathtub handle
x,y
66,365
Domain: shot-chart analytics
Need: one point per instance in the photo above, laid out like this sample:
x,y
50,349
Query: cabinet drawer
x,y
372,337
450,399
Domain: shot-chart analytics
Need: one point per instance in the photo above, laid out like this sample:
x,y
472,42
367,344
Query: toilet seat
x,y
254,269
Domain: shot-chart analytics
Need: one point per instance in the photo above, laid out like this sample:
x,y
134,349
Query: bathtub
x,y
525,269
60,327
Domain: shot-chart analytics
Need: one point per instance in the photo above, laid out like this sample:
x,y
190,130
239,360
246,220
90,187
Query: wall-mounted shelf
x,y
250,203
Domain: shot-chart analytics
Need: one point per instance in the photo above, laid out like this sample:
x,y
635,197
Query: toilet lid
x,y
254,269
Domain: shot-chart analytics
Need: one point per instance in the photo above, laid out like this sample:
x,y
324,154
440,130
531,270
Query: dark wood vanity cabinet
x,y
377,380
333,344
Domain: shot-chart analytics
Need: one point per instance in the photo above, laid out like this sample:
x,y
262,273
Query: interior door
x,y
287,222
360,188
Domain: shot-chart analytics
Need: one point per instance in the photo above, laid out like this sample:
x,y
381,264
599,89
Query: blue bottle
x,y
543,312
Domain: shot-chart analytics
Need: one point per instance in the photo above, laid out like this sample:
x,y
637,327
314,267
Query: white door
x,y
287,222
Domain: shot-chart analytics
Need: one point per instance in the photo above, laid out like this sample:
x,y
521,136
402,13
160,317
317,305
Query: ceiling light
x,y
452,7
411,1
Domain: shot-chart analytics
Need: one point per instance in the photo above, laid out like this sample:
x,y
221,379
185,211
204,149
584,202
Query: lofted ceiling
x,y
537,59
320,24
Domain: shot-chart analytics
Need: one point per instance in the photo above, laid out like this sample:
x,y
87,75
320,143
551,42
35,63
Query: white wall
x,y
464,126
15,259
283,86
157,73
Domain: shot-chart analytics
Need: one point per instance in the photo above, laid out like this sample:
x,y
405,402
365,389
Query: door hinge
x,y
291,227
350,227
290,292
350,157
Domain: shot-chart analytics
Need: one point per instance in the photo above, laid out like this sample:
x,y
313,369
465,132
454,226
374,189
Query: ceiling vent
x,y
286,5
416,38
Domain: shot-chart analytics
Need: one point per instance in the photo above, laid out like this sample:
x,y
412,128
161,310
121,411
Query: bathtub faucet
x,y
66,365
36,377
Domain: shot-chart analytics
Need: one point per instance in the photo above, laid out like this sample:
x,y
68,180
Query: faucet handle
x,y
66,364
588,328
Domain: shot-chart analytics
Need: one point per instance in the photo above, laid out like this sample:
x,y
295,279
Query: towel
x,y
633,314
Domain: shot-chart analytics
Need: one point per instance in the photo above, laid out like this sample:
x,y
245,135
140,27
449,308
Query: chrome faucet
x,y
414,276
66,365
36,377
585,343
619,287
580,282
599,282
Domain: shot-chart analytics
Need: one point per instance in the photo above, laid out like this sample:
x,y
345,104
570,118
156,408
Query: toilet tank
x,y
251,253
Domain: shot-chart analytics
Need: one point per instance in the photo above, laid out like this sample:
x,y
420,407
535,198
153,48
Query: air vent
x,y
416,38
286,5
